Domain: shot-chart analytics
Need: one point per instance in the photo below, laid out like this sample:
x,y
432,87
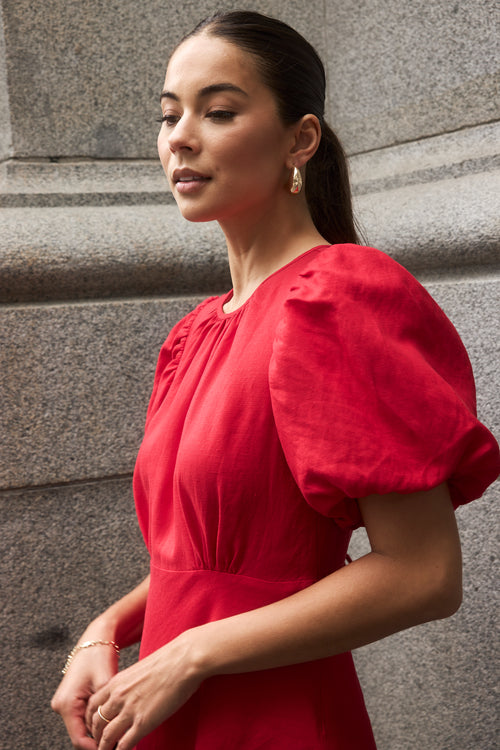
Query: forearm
x,y
123,621
357,605
412,575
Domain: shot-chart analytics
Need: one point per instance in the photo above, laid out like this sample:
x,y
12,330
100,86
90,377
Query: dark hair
x,y
293,70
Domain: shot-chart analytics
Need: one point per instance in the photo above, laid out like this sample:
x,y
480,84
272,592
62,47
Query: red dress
x,y
339,377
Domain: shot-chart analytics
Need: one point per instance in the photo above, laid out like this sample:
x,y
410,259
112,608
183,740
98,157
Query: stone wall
x,y
96,265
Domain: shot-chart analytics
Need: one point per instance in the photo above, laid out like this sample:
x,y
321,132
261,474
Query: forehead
x,y
203,59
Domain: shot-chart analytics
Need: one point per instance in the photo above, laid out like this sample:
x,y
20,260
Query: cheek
x,y
256,154
163,149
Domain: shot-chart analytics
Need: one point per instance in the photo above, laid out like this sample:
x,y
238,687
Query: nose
x,y
183,136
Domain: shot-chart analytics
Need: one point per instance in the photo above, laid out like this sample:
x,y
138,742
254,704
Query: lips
x,y
182,176
192,178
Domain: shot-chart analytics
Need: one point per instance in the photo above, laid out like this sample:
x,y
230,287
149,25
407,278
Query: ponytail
x,y
328,191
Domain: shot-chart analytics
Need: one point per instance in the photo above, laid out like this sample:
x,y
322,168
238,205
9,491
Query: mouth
x,y
188,176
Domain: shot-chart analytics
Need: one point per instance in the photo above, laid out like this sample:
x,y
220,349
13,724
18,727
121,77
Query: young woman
x,y
325,391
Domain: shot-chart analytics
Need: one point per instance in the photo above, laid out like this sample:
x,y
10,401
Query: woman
x,y
325,391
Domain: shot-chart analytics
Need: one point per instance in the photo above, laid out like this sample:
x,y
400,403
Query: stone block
x,y
66,554
94,90
79,182
448,224
473,307
399,71
469,151
75,383
5,129
95,87
107,251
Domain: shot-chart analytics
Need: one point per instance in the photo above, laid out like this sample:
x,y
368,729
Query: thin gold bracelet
x,y
88,644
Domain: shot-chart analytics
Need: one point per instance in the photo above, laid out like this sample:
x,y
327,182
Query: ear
x,y
306,137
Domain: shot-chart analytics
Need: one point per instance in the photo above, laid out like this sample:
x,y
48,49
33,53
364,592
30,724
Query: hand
x,y
139,698
90,669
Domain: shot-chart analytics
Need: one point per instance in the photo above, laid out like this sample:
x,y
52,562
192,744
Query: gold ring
x,y
101,715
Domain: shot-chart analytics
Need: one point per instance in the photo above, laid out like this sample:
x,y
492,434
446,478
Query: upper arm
x,y
418,532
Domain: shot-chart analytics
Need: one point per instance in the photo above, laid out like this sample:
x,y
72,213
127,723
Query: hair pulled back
x,y
293,70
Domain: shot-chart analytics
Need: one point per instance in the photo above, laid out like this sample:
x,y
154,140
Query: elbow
x,y
448,601
442,578
444,593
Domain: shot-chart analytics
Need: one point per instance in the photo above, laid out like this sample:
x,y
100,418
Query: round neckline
x,y
226,297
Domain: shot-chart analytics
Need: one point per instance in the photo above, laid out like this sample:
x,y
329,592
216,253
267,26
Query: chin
x,y
197,217
196,214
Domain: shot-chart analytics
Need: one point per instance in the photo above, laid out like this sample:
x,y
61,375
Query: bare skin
x,y
235,167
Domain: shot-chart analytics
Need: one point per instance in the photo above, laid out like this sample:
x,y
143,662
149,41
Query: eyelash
x,y
221,114
169,119
215,114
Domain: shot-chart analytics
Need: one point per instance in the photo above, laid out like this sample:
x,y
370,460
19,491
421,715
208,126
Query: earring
x,y
296,181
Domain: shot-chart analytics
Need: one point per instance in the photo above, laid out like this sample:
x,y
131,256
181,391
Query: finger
x,y
100,720
77,731
129,740
113,732
96,700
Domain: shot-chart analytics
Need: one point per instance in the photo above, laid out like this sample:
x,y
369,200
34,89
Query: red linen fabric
x,y
339,377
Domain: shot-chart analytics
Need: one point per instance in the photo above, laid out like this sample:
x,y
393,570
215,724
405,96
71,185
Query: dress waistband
x,y
179,600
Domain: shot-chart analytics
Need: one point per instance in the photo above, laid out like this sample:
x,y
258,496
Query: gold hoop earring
x,y
296,181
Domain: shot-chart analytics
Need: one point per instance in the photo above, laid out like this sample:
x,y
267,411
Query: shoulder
x,y
178,334
185,323
354,309
352,285
350,269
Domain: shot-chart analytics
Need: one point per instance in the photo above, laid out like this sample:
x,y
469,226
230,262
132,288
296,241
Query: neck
x,y
260,246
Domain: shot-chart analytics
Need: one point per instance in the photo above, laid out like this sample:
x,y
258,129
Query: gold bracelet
x,y
88,644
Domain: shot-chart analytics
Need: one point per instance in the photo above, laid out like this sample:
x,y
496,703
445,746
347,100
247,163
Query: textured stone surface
x,y
96,85
91,98
397,71
401,70
468,151
474,308
446,224
75,383
5,130
436,682
82,182
107,251
66,553
74,253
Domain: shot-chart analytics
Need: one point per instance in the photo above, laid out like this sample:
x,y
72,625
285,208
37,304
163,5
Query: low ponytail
x,y
328,190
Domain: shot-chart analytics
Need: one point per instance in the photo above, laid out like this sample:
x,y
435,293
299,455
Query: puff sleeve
x,y
371,387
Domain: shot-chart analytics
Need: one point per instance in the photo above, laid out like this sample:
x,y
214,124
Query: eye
x,y
168,119
220,114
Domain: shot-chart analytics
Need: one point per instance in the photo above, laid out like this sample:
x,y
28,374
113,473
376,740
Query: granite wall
x,y
96,265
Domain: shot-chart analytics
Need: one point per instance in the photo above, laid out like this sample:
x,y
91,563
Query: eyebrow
x,y
214,88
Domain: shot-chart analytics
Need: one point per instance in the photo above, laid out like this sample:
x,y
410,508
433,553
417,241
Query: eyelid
x,y
169,118
216,112
221,112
